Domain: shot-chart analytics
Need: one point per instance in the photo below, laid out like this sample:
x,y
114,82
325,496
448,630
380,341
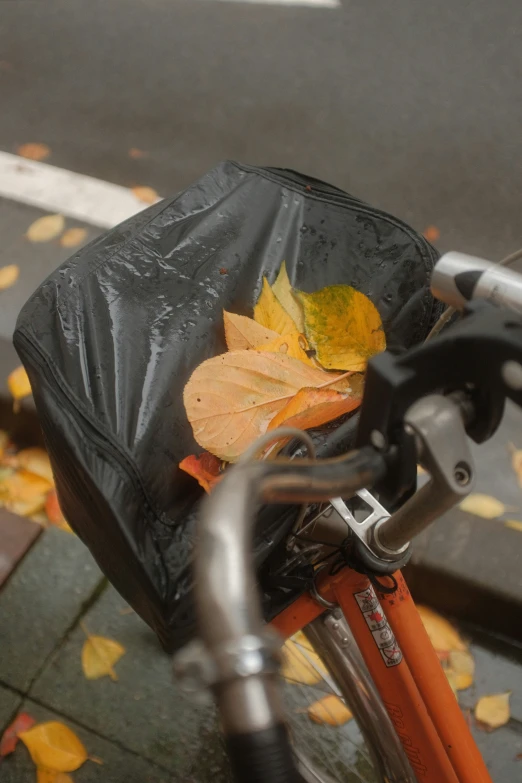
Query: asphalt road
x,y
415,107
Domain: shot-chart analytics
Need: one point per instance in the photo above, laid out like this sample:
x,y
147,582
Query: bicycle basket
x,y
111,337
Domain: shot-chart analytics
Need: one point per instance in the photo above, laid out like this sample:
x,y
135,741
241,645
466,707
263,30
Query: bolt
x,y
462,474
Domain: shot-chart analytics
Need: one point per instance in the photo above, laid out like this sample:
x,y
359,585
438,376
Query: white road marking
x,y
52,189
316,3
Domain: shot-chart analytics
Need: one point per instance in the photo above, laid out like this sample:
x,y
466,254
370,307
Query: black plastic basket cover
x,y
111,337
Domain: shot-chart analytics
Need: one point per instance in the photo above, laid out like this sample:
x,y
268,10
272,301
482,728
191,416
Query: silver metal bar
x,y
331,637
444,451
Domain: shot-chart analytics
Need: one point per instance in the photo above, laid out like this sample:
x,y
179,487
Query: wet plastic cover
x,y
112,336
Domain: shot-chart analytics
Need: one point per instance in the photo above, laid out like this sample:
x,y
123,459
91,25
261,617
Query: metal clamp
x,y
443,450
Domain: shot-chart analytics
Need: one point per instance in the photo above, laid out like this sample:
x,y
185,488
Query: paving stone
x,y
144,710
40,602
17,535
119,766
9,703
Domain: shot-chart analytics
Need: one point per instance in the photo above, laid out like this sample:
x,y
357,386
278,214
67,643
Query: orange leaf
x,y
145,194
18,383
8,276
205,468
242,333
9,739
54,746
314,407
54,512
34,151
99,656
329,710
431,233
231,399
24,493
34,460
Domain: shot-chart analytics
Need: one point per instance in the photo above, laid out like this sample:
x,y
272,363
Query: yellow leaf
x,y
516,460
34,151
45,228
54,746
73,237
51,776
35,460
8,276
18,383
483,506
99,655
514,524
443,636
343,326
462,668
284,293
493,710
292,344
330,710
230,399
242,333
145,194
314,407
24,493
270,313
298,668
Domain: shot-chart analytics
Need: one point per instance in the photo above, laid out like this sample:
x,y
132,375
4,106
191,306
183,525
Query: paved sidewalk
x,y
141,727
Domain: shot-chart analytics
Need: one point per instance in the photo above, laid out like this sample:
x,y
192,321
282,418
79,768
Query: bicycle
x,y
418,406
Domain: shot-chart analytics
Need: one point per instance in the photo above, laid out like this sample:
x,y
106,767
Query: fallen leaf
x,y
514,524
285,294
516,460
54,746
18,383
293,344
136,153
231,399
242,333
297,668
314,407
9,740
329,710
73,237
205,468
8,276
483,506
271,314
34,151
51,776
343,326
462,668
24,493
45,228
4,441
493,711
145,194
443,636
431,233
99,655
54,512
35,460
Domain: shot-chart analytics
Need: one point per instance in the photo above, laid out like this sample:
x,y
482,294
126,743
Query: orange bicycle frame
x,y
406,671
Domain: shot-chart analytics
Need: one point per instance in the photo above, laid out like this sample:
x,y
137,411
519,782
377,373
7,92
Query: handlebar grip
x,y
263,756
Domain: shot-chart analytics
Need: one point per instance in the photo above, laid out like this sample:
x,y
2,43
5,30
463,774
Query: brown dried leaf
x,y
34,151
145,194
45,228
8,276
73,237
